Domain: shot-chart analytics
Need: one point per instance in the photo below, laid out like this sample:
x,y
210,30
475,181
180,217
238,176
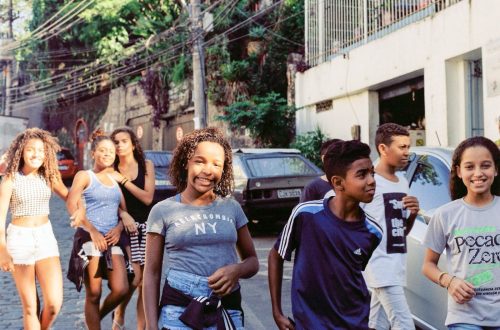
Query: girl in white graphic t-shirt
x,y
468,228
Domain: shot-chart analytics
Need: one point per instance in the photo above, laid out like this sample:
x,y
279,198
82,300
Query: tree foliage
x,y
309,145
256,82
280,30
155,86
269,119
118,41
110,43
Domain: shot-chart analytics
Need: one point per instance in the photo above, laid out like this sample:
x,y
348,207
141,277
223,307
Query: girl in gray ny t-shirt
x,y
200,229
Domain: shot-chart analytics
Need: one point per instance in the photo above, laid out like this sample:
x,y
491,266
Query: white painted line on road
x,y
251,317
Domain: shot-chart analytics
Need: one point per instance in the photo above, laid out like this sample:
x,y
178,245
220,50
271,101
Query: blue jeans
x,y
465,326
194,286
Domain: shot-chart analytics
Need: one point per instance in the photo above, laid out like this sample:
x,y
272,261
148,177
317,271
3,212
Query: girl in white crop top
x,y
30,177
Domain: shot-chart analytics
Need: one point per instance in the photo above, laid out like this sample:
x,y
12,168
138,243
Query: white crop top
x,y
30,196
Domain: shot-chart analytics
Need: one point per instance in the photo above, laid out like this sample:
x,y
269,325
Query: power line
x,y
147,44
54,95
94,79
74,89
94,70
150,57
49,26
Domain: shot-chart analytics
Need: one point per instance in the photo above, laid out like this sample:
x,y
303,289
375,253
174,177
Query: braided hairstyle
x,y
97,136
185,150
49,169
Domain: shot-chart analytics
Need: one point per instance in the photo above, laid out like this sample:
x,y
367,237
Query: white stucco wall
x,y
435,47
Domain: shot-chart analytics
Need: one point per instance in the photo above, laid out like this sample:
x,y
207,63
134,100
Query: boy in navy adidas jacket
x,y
333,240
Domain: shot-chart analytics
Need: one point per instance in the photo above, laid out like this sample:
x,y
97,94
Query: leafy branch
x,y
269,119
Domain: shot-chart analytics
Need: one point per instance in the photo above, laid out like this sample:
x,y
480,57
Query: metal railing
x,y
333,27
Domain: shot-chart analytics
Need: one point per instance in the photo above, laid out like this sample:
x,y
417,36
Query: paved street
x,y
256,301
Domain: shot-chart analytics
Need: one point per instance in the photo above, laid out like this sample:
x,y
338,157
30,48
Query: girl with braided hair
x,y
199,229
29,249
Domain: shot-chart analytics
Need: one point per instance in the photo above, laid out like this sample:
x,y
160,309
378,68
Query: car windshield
x,y
238,171
161,162
64,154
279,166
430,183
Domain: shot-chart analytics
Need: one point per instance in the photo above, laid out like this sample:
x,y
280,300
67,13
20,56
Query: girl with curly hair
x,y
30,249
100,234
136,177
199,229
468,229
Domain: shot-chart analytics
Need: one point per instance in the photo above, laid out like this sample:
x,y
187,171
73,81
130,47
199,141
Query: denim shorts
x,y
27,245
194,286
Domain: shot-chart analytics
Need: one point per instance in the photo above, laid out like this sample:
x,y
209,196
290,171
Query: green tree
x,y
269,119
282,30
110,43
309,145
287,36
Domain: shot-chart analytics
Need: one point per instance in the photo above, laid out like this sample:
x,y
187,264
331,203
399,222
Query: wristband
x,y
440,277
124,181
452,278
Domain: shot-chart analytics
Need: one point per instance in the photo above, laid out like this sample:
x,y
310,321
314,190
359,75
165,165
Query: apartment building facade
x,y
430,65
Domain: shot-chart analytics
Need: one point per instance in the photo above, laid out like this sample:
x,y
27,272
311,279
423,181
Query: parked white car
x,y
428,173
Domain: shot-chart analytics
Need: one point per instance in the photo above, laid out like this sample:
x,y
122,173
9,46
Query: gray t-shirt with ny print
x,y
198,239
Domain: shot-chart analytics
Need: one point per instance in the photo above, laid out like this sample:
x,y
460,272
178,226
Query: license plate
x,y
63,167
162,182
288,193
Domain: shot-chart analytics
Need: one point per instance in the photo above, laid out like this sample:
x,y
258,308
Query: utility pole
x,y
8,77
6,61
199,95
11,20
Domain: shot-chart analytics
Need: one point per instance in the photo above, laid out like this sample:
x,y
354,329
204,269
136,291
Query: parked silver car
x,y
428,173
